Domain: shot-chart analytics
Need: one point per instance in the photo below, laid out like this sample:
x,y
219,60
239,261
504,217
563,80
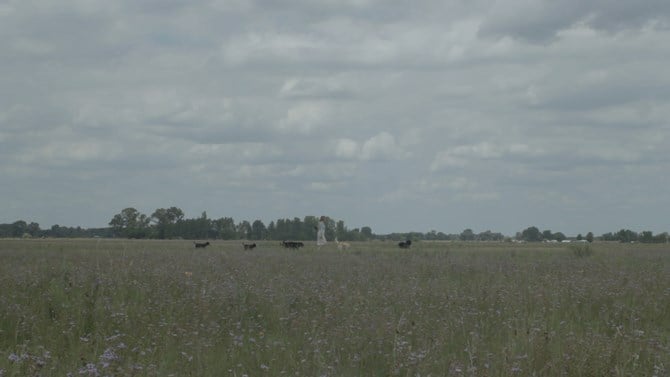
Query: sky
x,y
394,114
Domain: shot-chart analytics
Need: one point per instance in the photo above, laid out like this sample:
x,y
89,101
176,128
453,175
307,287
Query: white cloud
x,y
382,147
313,88
346,149
462,155
541,21
303,118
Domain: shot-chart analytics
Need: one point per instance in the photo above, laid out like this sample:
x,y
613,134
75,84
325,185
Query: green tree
x,y
130,223
309,225
626,235
531,234
283,229
258,230
467,235
57,231
33,229
589,237
647,237
204,227
559,236
341,231
225,228
165,220
661,238
272,231
490,236
19,228
609,236
244,230
297,229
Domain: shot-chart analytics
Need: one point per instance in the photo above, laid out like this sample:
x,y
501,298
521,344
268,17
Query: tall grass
x,y
162,308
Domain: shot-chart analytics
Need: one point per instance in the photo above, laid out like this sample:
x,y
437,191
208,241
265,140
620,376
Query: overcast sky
x,y
398,115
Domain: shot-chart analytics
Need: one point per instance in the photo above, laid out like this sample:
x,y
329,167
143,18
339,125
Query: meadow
x,y
99,307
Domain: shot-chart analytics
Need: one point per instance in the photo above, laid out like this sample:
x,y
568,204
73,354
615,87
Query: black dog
x,y
249,246
405,244
201,244
292,244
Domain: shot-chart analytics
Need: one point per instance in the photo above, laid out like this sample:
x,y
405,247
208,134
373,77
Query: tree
x,y
467,235
19,228
283,229
244,230
589,237
165,220
272,231
258,230
296,229
225,228
647,237
130,223
204,228
341,231
559,236
33,229
661,238
309,225
490,236
330,229
531,234
609,236
626,236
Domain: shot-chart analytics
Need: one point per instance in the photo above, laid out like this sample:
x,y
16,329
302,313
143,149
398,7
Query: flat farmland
x,y
99,307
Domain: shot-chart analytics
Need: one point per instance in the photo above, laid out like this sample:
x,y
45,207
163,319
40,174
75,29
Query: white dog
x,y
342,245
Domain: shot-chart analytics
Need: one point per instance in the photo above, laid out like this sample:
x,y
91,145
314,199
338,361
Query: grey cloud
x,y
540,21
608,94
314,88
360,109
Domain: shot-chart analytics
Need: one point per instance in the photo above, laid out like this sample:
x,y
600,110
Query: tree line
x,y
170,223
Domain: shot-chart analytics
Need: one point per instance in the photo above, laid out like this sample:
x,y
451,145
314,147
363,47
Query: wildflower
x,y
14,358
265,367
108,356
89,370
188,274
187,356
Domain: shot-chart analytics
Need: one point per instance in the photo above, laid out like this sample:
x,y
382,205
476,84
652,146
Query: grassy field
x,y
162,308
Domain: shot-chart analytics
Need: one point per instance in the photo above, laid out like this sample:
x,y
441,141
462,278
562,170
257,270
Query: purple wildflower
x,y
89,370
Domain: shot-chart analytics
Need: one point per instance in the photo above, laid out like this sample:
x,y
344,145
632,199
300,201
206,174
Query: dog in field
x,y
342,245
249,246
405,244
292,244
201,245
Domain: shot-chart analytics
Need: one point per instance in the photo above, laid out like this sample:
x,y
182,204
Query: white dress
x,y
321,234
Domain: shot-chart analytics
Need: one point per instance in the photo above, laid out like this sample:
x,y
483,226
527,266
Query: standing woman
x,y
321,232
